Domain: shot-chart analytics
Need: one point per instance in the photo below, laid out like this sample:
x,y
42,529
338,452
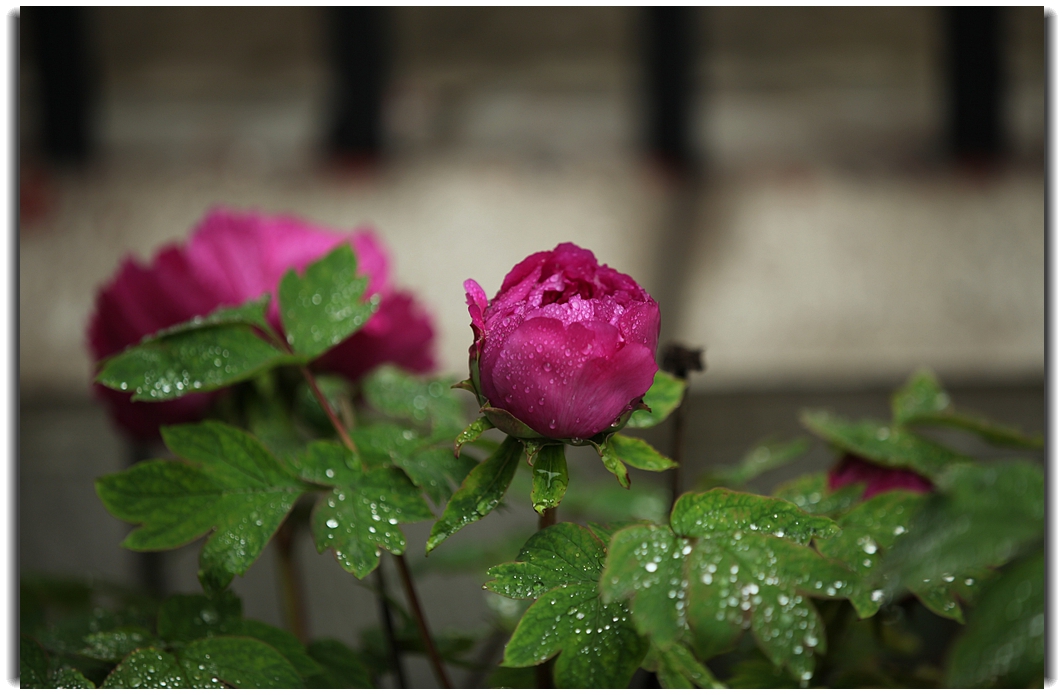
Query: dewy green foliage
x,y
362,513
324,306
193,361
1004,643
431,467
985,516
922,401
480,492
727,562
559,567
663,397
228,483
432,403
885,444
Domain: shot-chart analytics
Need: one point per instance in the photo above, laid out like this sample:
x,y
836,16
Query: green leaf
x,y
251,313
882,443
1004,643
922,401
764,457
663,397
646,563
560,566
810,493
283,641
984,516
324,306
723,511
480,492
431,467
638,454
239,662
187,617
869,530
677,667
759,673
361,514
69,678
114,645
401,395
148,668
33,664
550,477
207,359
608,503
233,486
342,668
472,433
613,462
738,568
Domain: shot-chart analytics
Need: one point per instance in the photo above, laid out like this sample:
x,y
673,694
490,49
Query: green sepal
x,y
480,492
509,423
472,433
550,477
612,461
638,454
664,396
324,306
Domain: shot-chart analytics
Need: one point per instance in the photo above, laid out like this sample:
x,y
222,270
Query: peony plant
x,y
280,369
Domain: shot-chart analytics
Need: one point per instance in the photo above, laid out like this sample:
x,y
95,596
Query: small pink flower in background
x,y
566,346
852,469
233,257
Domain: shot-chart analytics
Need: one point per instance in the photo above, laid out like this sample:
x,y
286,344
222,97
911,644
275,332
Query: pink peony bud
x,y
852,469
565,347
233,257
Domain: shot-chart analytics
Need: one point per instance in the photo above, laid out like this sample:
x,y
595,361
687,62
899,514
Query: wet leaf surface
x,y
664,396
730,561
231,485
595,642
479,493
363,511
324,306
148,668
882,443
238,662
922,401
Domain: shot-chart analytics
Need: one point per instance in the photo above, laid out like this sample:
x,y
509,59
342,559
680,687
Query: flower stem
x,y
389,628
679,361
291,587
329,412
544,679
400,561
422,624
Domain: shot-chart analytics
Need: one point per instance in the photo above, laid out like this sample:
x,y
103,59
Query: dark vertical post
x,y
359,53
669,55
61,50
974,45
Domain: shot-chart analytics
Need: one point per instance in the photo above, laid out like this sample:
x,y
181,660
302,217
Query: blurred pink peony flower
x,y
566,346
233,257
852,469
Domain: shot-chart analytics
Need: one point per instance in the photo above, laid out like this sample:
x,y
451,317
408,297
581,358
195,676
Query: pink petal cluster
x,y
566,346
233,257
852,469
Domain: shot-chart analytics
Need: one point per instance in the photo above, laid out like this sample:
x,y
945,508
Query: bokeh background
x,y
822,199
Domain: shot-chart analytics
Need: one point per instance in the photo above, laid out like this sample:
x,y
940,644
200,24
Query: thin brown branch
x,y
422,624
